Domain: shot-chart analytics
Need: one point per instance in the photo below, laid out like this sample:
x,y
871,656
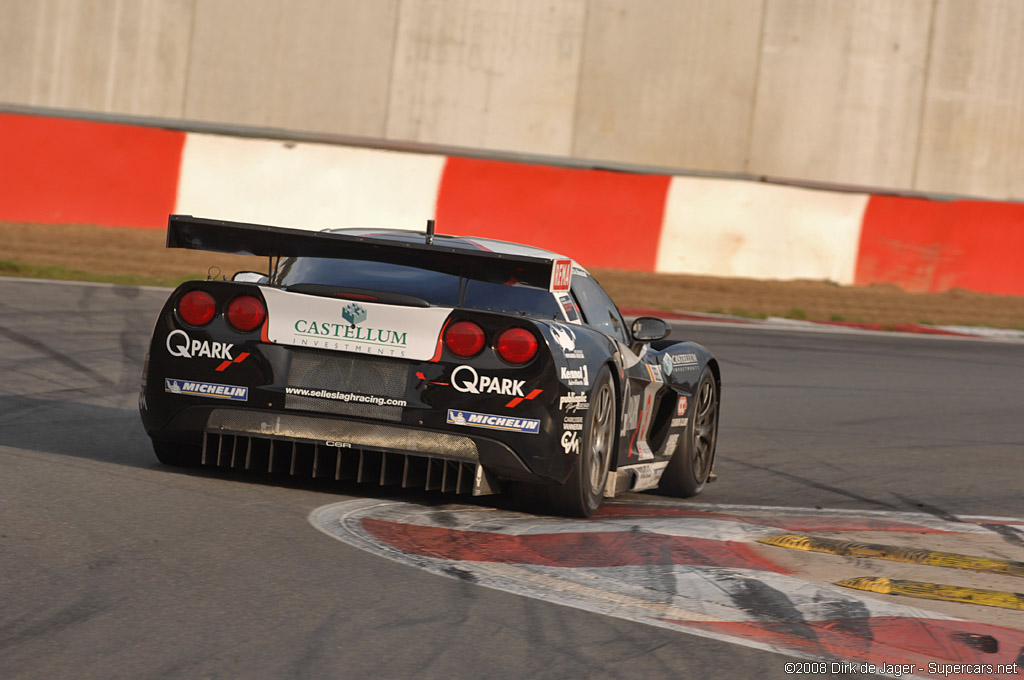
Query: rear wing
x,y
196,233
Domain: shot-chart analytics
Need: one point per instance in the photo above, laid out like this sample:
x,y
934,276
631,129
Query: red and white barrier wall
x,y
55,170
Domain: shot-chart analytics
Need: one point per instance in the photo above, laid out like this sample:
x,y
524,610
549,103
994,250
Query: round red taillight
x,y
197,308
464,339
246,313
516,345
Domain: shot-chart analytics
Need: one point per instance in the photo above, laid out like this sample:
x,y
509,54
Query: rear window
x,y
439,289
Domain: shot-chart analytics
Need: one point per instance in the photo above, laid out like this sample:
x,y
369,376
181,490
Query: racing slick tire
x,y
582,493
178,455
690,466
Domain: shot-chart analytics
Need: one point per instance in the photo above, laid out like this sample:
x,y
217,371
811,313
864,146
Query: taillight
x,y
464,339
246,313
197,308
516,345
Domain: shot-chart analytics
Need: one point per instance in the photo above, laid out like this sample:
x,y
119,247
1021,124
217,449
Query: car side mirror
x,y
249,277
649,328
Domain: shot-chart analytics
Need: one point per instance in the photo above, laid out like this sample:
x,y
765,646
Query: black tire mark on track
x,y
816,485
59,357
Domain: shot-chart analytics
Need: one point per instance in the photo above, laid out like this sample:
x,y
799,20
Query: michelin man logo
x,y
354,313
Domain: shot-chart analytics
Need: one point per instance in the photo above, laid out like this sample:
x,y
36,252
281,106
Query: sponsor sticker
x,y
533,394
237,360
570,442
349,397
561,275
648,476
666,365
632,412
566,339
493,422
339,445
573,423
680,422
573,402
681,405
577,377
569,308
670,445
358,327
180,344
202,389
683,362
466,379
654,372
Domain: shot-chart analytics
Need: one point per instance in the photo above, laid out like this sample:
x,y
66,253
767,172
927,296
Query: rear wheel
x,y
690,465
179,455
581,495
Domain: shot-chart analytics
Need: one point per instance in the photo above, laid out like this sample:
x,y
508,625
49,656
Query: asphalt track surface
x,y
113,566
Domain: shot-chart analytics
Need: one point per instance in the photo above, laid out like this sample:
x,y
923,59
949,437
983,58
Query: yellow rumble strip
x,y
895,554
935,591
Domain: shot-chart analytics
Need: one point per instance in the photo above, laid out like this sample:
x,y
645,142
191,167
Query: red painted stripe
x,y
933,246
683,316
901,327
822,523
885,639
57,170
583,549
599,218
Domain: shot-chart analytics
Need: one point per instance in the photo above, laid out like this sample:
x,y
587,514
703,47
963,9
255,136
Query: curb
x,y
778,322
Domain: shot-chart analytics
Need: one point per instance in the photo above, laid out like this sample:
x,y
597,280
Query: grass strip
x,y
32,271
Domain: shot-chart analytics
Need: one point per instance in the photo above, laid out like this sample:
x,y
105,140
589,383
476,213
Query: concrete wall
x,y
923,95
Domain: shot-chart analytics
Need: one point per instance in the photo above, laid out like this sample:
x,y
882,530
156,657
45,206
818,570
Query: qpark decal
x,y
748,575
466,379
180,344
343,326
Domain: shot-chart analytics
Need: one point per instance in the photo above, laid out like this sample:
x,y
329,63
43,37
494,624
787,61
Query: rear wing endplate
x,y
196,233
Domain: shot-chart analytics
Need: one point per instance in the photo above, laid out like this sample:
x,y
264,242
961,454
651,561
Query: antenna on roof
x,y
430,232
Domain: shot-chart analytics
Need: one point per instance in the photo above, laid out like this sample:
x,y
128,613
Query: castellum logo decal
x,y
354,313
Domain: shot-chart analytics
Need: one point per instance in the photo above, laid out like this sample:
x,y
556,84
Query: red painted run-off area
x,y
571,550
600,218
934,647
932,246
56,170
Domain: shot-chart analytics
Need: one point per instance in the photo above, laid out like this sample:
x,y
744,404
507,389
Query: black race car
x,y
458,364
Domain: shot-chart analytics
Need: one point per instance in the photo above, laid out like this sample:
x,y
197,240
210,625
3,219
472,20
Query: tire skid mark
x,y
657,562
59,357
893,640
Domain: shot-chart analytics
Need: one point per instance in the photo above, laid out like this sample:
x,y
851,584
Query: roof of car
x,y
467,242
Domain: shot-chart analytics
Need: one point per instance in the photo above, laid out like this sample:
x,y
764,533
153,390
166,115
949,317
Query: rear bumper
x,y
341,448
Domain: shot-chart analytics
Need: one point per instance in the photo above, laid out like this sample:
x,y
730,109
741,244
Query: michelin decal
x,y
492,422
202,389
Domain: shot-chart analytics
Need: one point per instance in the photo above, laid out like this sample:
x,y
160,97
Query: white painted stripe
x,y
310,186
469,518
724,227
653,594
